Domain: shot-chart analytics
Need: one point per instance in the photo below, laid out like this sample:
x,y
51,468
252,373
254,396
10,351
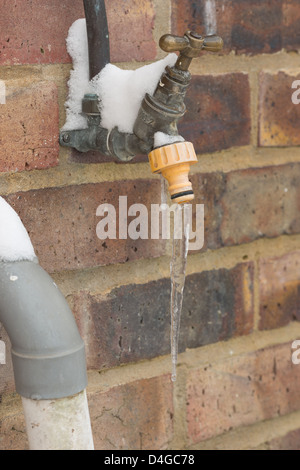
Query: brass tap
x,y
174,161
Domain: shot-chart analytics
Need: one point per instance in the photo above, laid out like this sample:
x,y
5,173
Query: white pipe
x,y
62,424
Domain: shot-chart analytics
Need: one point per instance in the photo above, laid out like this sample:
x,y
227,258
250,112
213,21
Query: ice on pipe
x,y
15,244
120,91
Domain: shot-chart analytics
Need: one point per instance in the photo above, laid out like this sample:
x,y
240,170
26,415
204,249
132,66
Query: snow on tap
x,y
15,244
120,91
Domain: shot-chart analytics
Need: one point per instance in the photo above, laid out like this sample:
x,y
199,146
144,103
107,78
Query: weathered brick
x,y
131,27
47,23
291,441
62,223
135,416
246,205
241,391
261,203
218,112
29,127
290,24
209,188
233,208
279,290
246,26
278,115
132,322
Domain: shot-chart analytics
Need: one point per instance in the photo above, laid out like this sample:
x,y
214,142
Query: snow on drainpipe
x,y
47,351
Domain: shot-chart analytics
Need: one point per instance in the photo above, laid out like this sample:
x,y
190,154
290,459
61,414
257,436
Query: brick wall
x,y
237,387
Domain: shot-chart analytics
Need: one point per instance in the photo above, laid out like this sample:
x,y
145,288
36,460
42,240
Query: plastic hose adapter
x,y
173,162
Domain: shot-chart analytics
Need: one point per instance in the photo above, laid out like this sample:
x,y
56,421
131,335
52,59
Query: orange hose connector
x,y
173,162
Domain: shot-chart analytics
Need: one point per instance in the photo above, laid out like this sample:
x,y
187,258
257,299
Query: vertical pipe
x,y
62,424
98,36
210,17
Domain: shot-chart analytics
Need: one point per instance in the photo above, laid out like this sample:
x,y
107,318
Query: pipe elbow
x,y
47,350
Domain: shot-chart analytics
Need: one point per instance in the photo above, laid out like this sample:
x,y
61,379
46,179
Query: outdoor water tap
x,y
159,113
162,111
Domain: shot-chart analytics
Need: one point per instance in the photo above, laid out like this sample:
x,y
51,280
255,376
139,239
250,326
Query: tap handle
x,y
189,46
171,43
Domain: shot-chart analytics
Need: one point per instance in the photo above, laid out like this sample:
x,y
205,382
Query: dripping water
x,y
178,272
180,247
164,190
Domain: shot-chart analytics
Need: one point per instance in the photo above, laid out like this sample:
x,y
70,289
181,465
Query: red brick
x,y
29,128
279,290
131,27
62,223
246,26
261,203
132,322
278,116
291,24
218,112
241,391
291,441
35,31
135,416
246,205
209,189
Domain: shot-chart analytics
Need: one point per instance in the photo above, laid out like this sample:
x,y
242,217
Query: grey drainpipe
x,y
47,351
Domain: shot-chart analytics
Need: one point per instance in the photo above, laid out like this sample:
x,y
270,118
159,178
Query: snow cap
x,y
120,91
15,244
